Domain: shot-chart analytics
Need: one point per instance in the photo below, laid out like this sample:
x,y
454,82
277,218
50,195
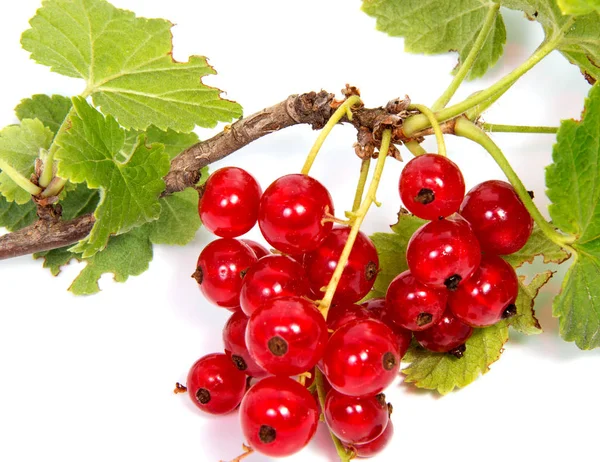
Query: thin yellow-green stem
x,y
499,128
48,168
343,110
362,181
55,187
439,136
19,179
356,219
415,148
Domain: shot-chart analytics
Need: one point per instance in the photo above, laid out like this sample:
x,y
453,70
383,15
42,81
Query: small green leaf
x,y
174,143
14,216
90,151
50,110
55,259
577,7
178,220
538,244
443,372
19,147
525,320
127,64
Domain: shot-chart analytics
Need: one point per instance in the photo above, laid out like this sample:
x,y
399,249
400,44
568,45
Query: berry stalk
x,y
439,136
415,148
500,128
19,179
362,181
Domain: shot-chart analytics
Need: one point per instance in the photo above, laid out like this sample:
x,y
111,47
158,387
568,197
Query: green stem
x,y
468,129
362,181
478,109
343,110
415,148
499,128
55,187
48,169
343,453
420,122
19,179
356,219
439,136
467,65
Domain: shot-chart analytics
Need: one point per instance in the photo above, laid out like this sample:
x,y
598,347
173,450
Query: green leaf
x,y
439,26
79,201
178,220
174,143
538,244
573,182
443,372
55,259
577,7
127,64
14,216
19,148
90,151
525,320
50,110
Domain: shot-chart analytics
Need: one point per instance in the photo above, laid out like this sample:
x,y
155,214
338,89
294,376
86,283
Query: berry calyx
x,y
215,385
359,272
482,300
361,358
234,341
447,335
291,214
229,203
286,336
220,270
431,186
443,253
497,216
278,416
413,305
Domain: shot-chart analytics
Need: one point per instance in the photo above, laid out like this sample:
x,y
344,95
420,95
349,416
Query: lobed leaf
x,y
50,110
14,216
525,320
538,244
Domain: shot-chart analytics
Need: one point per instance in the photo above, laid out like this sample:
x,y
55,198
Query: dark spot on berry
x,y
239,362
389,361
371,271
452,282
203,396
381,399
510,311
266,434
531,195
423,319
243,272
277,346
198,276
459,351
425,196
390,409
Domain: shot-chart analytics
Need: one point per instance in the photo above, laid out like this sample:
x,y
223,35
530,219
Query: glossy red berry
x,y
215,385
234,341
487,296
443,253
376,309
292,211
431,186
360,270
259,250
220,271
361,358
278,416
354,419
272,276
229,203
286,335
374,447
413,305
498,217
448,335
344,313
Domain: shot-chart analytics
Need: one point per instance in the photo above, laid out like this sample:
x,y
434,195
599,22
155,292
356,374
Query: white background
x,y
91,378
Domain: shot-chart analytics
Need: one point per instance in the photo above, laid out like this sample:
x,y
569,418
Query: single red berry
x,y
361,358
447,335
234,340
286,335
374,447
344,313
354,419
272,276
229,203
291,214
413,305
215,385
443,253
498,217
431,186
220,271
258,249
376,309
278,416
487,296
360,270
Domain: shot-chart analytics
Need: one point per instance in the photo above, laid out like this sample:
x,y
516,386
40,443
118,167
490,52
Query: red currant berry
x,y
376,309
278,416
374,447
344,313
286,336
413,305
361,358
272,276
443,253
487,296
356,420
292,211
498,217
448,335
234,340
259,250
215,385
360,270
220,271
431,187
229,203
